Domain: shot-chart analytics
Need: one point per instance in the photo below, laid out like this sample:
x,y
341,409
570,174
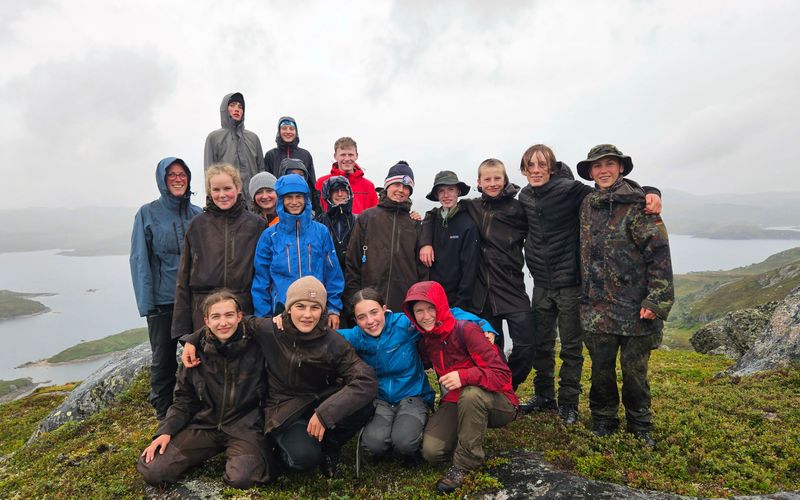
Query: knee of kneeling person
x,y
244,471
375,443
156,472
407,445
433,451
471,395
305,458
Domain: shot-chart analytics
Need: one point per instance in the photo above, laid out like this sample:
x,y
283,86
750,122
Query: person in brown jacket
x,y
382,253
320,391
218,250
216,406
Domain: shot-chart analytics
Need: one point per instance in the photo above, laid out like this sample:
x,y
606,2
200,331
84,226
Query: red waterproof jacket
x,y
364,195
458,346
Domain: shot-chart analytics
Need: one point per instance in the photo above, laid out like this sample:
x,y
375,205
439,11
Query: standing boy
x,y
287,140
345,152
217,405
233,144
451,236
627,290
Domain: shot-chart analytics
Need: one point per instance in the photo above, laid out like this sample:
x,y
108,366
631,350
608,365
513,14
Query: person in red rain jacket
x,y
345,152
476,383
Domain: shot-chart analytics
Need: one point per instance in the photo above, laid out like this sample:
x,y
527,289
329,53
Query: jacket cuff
x,y
659,311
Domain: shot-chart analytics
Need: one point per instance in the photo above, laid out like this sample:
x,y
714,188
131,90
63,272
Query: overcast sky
x,y
705,96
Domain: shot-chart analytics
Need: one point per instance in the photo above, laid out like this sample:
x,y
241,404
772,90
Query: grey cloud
x,y
12,11
91,116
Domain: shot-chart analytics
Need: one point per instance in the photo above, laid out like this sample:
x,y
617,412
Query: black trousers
x,y
300,451
164,364
520,329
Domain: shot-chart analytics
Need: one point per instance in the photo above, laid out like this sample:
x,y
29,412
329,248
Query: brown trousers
x,y
457,429
247,461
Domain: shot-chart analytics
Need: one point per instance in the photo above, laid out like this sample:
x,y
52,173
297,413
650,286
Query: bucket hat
x,y
602,151
446,178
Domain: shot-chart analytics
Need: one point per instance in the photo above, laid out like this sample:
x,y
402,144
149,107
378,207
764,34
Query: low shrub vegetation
x,y
716,437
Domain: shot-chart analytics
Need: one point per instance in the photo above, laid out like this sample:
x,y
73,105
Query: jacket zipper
x,y
225,262
224,395
288,259
309,258
297,238
391,258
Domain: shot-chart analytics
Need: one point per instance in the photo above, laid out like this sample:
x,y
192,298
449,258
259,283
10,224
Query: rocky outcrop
x,y
779,344
733,334
99,390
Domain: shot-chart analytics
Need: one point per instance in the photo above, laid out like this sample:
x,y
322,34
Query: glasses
x,y
176,175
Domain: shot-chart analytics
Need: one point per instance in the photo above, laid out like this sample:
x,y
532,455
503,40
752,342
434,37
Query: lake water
x,y
95,298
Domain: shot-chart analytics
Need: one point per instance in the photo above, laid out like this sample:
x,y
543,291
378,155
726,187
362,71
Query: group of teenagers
x,y
309,309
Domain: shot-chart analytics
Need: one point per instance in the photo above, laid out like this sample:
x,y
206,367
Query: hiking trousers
x,y
397,427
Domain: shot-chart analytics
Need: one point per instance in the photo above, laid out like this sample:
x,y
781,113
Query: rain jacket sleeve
x,y
261,289
650,236
208,154
333,277
184,406
489,372
182,312
141,274
361,386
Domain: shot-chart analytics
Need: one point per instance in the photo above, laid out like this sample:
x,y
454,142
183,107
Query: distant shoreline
x,y
44,363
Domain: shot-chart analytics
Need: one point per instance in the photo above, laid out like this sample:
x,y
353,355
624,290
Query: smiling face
x,y
288,133
606,171
448,196
266,199
236,111
425,314
537,170
492,180
294,203
339,196
305,315
177,180
398,192
346,158
223,319
370,317
223,191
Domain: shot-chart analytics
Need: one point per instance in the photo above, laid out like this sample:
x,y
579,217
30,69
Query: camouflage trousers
x,y
634,356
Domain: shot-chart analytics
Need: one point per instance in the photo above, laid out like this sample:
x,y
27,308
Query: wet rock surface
x,y
735,333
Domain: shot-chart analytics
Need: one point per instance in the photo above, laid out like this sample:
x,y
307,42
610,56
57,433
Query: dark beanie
x,y
402,173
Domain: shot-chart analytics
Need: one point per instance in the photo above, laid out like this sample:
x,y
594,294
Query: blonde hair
x,y
223,168
545,151
491,162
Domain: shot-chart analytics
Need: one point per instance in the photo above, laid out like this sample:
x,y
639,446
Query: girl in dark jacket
x,y
218,250
320,391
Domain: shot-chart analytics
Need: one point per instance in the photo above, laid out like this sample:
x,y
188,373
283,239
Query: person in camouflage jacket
x,y
627,290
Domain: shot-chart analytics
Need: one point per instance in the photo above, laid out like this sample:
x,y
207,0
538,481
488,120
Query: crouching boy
x,y
476,383
208,416
627,290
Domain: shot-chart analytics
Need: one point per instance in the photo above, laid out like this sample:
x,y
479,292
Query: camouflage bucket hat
x,y
602,151
446,178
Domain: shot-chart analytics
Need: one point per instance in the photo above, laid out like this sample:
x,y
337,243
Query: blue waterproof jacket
x,y
394,356
157,241
294,247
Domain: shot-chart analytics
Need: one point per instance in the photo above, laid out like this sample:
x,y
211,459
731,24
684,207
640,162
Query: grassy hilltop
x,y
717,437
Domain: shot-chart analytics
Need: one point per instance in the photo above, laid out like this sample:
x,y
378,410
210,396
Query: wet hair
x,y
491,162
344,142
218,296
367,294
545,151
223,168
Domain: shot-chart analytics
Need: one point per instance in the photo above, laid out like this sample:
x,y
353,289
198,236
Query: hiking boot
x,y
329,465
645,437
568,414
604,428
539,403
452,480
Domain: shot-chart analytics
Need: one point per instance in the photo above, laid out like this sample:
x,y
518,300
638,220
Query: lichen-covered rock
x,y
779,344
733,334
99,390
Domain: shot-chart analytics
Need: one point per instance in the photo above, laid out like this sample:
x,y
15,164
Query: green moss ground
x,y
113,343
717,437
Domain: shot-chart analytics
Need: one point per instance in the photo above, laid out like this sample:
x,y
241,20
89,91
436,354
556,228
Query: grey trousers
x,y
397,427
457,429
